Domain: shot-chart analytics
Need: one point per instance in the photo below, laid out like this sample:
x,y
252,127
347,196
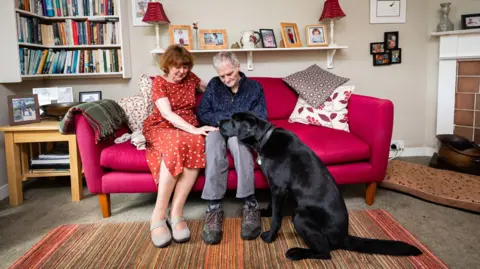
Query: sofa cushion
x,y
333,113
139,106
279,97
331,145
314,84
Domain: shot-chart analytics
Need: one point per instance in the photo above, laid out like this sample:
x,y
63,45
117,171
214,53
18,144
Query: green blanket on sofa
x,y
105,117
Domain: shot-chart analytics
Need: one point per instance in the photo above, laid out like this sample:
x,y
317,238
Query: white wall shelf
x,y
331,50
456,32
70,75
23,44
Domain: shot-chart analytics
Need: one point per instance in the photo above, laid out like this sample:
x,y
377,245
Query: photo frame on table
x,y
470,21
290,35
139,7
377,47
391,40
380,59
316,35
23,109
213,39
181,35
268,38
91,96
396,56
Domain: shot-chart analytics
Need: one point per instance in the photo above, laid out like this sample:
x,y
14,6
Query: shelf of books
x,y
72,38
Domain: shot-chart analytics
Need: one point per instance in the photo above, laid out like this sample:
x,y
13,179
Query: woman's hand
x,y
204,130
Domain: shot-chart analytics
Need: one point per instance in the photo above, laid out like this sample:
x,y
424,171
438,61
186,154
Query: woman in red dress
x,y
175,145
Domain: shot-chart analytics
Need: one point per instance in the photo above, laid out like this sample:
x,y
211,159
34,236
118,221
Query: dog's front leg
x,y
277,201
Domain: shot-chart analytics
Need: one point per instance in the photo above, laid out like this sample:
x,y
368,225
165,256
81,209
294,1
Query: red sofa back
x,y
280,98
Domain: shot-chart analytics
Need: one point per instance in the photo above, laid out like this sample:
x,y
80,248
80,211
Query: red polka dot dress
x,y
178,148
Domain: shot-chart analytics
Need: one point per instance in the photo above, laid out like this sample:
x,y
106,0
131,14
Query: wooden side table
x,y
17,138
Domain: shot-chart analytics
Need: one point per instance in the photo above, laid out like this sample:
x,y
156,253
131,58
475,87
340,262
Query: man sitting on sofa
x,y
230,92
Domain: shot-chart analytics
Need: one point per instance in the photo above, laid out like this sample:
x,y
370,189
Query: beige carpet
x,y
436,185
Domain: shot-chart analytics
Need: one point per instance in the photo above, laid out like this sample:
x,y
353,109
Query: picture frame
x,y
470,21
139,7
290,35
23,109
268,38
181,34
391,40
90,96
316,35
377,47
211,39
396,56
380,59
388,11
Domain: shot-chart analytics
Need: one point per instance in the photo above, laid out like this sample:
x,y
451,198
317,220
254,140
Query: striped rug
x,y
127,245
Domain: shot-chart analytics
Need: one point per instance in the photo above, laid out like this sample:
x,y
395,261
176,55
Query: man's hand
x,y
204,130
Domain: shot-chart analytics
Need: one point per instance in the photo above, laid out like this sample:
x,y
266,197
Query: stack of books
x,y
57,160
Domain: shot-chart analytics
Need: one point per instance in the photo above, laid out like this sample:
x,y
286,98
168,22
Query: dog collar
x,y
266,136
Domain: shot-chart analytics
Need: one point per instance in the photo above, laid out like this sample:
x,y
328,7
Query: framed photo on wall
x,y
388,11
92,96
290,35
23,109
139,7
268,38
382,59
316,35
391,40
213,39
377,47
470,21
182,35
396,56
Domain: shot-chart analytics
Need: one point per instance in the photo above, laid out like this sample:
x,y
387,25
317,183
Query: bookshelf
x,y
48,39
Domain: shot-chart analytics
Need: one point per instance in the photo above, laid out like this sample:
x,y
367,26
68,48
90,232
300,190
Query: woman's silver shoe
x,y
179,236
161,240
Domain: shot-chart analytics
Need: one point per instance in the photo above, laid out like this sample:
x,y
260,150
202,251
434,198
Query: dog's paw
x,y
266,237
266,212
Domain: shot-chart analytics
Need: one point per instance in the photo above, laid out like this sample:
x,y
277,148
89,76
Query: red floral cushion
x,y
333,113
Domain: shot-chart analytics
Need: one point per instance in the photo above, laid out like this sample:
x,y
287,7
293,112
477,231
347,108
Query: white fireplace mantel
x,y
454,46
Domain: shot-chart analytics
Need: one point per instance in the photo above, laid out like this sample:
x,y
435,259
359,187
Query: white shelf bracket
x,y
250,60
330,56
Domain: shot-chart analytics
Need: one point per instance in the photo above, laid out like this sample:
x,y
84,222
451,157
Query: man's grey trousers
x,y
216,170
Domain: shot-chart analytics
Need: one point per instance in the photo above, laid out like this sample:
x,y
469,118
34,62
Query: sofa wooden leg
x,y
104,199
370,192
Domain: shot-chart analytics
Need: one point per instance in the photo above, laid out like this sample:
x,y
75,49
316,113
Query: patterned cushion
x,y
332,114
139,106
314,84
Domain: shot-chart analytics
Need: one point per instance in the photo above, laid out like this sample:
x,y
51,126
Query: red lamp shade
x,y
155,14
331,10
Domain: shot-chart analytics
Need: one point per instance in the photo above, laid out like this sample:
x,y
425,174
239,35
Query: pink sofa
x,y
360,156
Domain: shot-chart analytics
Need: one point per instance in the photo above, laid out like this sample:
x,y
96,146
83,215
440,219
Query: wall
x,y
411,85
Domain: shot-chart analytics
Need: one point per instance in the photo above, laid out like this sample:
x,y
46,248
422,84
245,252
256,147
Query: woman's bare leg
x,y
184,186
166,184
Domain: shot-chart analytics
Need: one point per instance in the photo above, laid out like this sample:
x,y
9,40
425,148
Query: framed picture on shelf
x,y
182,35
391,40
139,7
470,21
382,59
92,96
213,39
23,109
316,35
290,35
396,56
377,47
268,38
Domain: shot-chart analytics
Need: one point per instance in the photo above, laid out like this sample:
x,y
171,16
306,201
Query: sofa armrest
x,y
371,119
90,153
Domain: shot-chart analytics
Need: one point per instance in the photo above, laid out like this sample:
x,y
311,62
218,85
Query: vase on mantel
x,y
445,24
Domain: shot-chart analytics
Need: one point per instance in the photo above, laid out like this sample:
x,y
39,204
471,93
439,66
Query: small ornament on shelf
x,y
195,26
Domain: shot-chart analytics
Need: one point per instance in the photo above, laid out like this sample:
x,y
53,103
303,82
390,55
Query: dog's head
x,y
246,126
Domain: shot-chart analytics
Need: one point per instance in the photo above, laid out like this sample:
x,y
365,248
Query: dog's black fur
x,y
293,169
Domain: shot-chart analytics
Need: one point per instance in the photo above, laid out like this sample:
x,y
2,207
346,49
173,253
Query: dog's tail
x,y
378,246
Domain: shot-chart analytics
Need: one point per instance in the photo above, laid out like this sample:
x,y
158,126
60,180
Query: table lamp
x,y
156,15
332,11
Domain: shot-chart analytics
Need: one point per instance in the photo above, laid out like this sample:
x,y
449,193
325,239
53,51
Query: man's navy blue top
x,y
219,103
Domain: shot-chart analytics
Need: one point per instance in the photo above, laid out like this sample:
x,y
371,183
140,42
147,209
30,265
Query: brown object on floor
x,y
128,245
458,151
439,186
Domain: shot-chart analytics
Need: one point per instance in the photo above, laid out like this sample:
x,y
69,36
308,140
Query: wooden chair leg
x,y
104,199
370,192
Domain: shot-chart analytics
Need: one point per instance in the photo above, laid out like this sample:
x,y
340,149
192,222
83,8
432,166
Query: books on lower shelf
x,y
51,162
48,61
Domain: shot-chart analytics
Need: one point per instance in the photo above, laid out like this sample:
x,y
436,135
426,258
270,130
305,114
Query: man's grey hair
x,y
223,57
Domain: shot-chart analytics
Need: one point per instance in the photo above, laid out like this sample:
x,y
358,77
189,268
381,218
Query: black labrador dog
x,y
294,170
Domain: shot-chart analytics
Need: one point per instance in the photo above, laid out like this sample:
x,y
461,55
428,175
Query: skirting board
x,y
3,191
412,152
